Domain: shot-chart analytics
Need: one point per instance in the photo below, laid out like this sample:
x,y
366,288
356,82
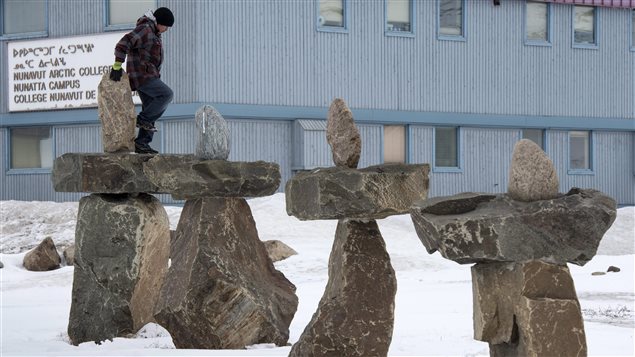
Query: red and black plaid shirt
x,y
144,50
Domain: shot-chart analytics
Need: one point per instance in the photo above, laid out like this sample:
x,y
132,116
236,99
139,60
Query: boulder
x,y
613,269
565,229
101,173
117,114
1,265
222,290
370,193
186,177
356,313
213,134
43,257
342,135
532,176
122,247
527,309
69,255
277,251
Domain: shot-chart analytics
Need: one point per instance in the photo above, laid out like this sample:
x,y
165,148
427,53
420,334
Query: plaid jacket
x,y
144,50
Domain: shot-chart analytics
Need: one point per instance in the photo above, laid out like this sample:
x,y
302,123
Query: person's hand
x,y
116,72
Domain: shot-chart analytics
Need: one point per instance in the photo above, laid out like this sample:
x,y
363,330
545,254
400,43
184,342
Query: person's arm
x,y
131,40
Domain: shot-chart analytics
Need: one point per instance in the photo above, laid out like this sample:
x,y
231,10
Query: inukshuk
x,y
355,315
525,302
221,290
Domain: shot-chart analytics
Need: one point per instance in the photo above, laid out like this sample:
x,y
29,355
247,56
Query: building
x,y
453,83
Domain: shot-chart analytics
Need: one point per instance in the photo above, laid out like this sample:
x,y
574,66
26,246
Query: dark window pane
x,y
331,13
579,150
31,148
445,147
123,12
584,25
398,15
451,17
537,21
21,16
535,135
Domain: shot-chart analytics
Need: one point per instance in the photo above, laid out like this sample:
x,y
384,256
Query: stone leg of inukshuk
x,y
117,114
121,256
356,313
525,302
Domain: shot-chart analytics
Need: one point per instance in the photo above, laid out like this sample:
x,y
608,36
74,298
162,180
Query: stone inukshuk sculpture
x,y
221,290
525,302
355,315
117,114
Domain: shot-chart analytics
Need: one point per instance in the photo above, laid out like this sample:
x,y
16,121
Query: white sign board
x,y
59,73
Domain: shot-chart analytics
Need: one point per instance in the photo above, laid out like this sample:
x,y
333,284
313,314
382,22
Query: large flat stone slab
x,y
472,228
371,193
183,176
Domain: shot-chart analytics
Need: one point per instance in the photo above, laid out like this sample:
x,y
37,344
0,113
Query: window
x,y
584,26
446,148
394,144
124,13
31,148
399,16
451,18
332,14
21,17
537,23
579,150
535,135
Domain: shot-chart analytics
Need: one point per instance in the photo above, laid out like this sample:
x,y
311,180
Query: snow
x,y
433,310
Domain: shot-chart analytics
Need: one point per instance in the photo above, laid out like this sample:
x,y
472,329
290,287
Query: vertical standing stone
x,y
117,114
213,134
342,135
356,313
122,246
532,176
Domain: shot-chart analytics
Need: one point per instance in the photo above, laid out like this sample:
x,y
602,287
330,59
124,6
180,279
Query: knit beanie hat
x,y
164,16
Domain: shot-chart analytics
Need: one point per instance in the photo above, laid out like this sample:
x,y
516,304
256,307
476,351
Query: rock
x,y
278,251
117,114
527,309
613,269
222,291
101,173
532,176
342,135
371,193
1,265
213,134
122,247
356,313
566,229
43,257
69,255
598,273
457,204
186,177
183,176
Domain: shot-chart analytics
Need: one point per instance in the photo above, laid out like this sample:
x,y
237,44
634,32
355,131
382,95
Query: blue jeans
x,y
155,97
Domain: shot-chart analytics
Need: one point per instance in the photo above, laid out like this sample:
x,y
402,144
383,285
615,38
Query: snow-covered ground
x,y
433,313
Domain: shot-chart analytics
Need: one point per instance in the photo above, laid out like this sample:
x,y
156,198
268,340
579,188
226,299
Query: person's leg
x,y
157,97
144,137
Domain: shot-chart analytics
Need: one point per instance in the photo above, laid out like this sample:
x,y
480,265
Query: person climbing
x,y
144,50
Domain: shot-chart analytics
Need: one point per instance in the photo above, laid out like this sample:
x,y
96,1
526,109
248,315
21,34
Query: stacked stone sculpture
x,y
221,289
525,302
356,313
117,114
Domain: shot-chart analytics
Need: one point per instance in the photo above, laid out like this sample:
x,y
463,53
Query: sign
x,y
59,73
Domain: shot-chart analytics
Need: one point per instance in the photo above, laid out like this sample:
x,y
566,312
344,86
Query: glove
x,y
116,72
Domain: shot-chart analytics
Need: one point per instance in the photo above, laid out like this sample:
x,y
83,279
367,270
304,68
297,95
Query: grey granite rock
x,y
278,251
69,255
566,229
341,192
532,176
117,114
183,176
186,177
122,247
222,290
527,309
213,134
43,257
356,313
1,265
342,135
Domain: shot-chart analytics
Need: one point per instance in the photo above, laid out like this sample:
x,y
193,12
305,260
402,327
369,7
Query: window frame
x,y
411,33
596,29
333,29
531,42
459,147
24,35
459,38
109,27
590,170
32,170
